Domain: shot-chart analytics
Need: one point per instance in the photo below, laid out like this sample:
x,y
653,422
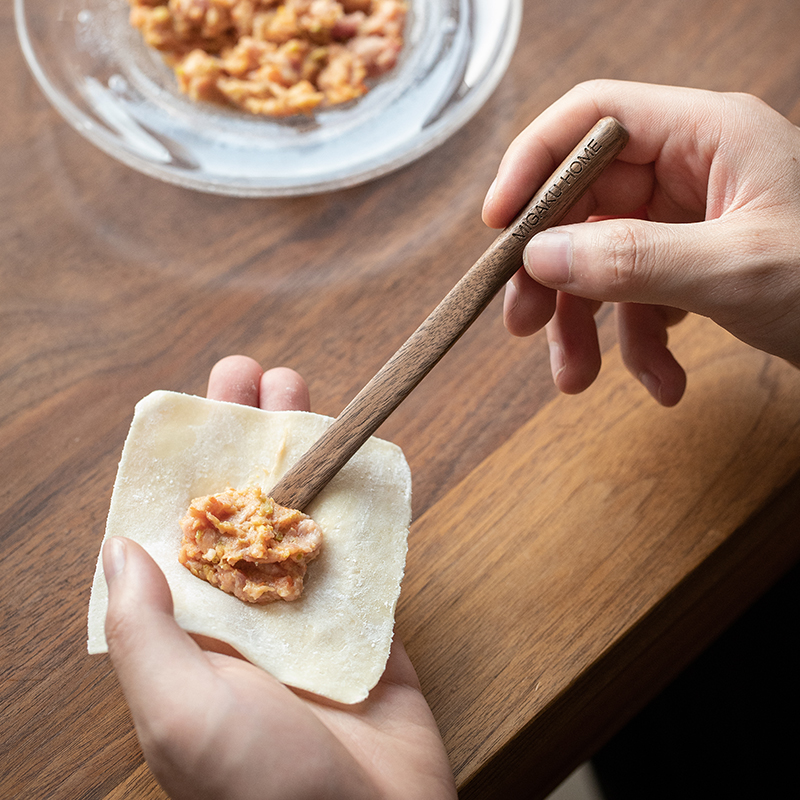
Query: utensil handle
x,y
445,324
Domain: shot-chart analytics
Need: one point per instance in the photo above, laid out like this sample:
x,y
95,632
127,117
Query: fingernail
x,y
652,384
548,257
114,556
488,199
557,360
511,296
490,193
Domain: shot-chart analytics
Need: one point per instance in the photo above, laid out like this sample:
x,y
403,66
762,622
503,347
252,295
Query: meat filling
x,y
244,543
271,57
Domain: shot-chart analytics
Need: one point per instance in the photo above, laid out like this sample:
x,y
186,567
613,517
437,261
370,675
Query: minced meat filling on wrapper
x,y
246,544
333,640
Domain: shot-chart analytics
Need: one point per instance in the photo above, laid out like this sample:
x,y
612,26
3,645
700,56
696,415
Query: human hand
x,y
699,214
212,725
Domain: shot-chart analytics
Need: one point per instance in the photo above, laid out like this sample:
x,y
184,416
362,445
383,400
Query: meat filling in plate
x,y
270,57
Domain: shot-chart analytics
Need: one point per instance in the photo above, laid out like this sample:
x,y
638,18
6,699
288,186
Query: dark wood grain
x,y
445,325
114,284
631,527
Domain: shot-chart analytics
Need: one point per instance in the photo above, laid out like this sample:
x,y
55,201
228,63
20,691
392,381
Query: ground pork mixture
x,y
244,543
271,57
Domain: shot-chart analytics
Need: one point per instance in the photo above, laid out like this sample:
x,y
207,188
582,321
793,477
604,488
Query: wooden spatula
x,y
459,309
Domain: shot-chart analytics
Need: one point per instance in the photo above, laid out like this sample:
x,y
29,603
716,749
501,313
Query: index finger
x,y
235,379
660,120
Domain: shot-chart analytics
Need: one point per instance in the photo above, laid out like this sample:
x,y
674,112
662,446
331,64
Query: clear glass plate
x,y
117,92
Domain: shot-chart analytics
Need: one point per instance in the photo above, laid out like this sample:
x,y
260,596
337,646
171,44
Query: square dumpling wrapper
x,y
334,641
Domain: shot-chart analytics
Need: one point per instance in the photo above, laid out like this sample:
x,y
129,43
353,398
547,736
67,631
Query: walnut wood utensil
x,y
445,324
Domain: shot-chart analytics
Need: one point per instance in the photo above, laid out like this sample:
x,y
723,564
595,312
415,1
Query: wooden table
x,y
637,533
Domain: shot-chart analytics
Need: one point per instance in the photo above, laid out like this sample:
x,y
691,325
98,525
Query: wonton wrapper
x,y
334,640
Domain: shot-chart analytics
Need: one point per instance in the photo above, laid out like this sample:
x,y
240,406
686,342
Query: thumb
x,y
631,260
142,635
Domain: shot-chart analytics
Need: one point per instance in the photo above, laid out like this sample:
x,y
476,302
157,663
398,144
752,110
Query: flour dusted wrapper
x,y
334,640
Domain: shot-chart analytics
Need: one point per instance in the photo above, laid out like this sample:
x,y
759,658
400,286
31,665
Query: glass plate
x,y
113,89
